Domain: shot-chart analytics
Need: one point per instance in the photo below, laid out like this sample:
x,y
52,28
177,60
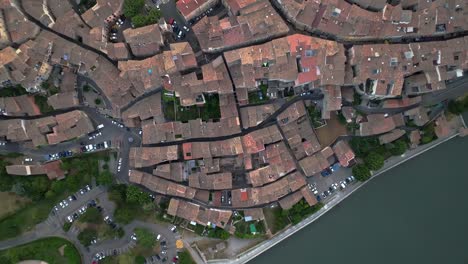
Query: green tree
x,y
456,107
66,226
361,172
104,178
136,195
133,7
86,236
145,237
86,88
92,215
153,16
120,232
363,146
139,20
140,259
97,101
374,161
124,214
218,233
118,193
399,147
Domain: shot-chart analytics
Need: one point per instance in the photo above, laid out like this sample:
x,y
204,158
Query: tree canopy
x,y
92,215
135,195
374,161
361,172
133,7
145,237
86,236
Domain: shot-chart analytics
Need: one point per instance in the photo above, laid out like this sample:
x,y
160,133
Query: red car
x,y
171,21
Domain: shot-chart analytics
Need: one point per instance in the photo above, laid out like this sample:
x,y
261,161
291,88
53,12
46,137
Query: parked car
x,y
174,229
133,237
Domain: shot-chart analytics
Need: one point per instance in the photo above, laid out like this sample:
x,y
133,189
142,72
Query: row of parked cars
x,y
82,210
94,147
335,186
59,155
63,204
196,19
179,32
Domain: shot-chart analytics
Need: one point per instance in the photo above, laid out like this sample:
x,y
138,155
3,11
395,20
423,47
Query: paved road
x,y
455,88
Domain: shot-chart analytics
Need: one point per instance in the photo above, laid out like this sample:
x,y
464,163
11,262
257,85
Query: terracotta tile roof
x,y
343,152
199,214
144,41
316,163
256,22
148,156
250,197
161,185
391,136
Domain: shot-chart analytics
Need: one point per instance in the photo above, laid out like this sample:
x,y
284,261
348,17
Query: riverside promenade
x,y
339,197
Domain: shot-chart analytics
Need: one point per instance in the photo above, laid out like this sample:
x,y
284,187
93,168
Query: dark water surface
x,y
414,213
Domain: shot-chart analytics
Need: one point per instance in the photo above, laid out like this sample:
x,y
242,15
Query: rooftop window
x,y
310,53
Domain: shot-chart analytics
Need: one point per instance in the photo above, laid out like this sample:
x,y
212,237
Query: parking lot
x,y
163,234
69,209
331,179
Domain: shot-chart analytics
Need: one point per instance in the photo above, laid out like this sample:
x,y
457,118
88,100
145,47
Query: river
x,y
414,213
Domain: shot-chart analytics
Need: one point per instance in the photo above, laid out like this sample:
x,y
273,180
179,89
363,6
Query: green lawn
x,y
254,97
11,203
185,258
243,229
51,250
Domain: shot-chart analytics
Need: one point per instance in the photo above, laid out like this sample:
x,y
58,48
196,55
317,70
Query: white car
x,y
173,229
2,143
118,168
158,237
120,161
133,237
70,219
28,159
186,28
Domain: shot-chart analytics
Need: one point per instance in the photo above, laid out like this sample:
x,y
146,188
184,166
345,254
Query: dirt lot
x,y
11,202
328,134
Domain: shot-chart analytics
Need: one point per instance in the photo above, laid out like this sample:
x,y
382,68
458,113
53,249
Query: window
x,y
310,53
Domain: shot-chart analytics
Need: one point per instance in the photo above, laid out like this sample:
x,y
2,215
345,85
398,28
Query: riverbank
x,y
389,164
